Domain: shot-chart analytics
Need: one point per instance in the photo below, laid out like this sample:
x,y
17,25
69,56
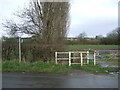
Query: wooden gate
x,y
82,57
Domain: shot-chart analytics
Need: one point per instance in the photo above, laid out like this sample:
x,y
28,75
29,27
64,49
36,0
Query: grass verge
x,y
12,66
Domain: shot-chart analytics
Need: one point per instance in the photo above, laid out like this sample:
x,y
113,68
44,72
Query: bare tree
x,y
82,35
43,19
48,22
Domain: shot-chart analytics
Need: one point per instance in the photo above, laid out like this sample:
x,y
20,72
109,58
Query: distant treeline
x,y
101,41
112,38
82,41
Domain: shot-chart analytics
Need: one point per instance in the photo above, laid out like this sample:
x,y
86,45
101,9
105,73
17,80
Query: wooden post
x,y
94,58
81,59
19,49
87,57
56,57
69,58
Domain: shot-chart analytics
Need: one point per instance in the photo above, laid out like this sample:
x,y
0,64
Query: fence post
x,y
87,57
56,57
81,59
69,58
94,58
19,49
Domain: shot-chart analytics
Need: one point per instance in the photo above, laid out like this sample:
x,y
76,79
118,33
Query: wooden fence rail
x,y
69,58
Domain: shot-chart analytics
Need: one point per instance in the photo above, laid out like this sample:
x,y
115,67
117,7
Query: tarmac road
x,y
75,79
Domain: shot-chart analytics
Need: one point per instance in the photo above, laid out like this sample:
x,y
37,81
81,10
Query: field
x,y
94,47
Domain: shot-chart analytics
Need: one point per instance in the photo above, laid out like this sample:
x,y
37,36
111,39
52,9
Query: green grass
x,y
11,66
98,69
96,47
95,68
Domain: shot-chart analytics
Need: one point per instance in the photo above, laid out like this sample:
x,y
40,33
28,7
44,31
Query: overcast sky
x,y
95,17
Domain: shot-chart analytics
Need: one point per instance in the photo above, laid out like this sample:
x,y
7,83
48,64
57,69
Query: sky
x,y
94,17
